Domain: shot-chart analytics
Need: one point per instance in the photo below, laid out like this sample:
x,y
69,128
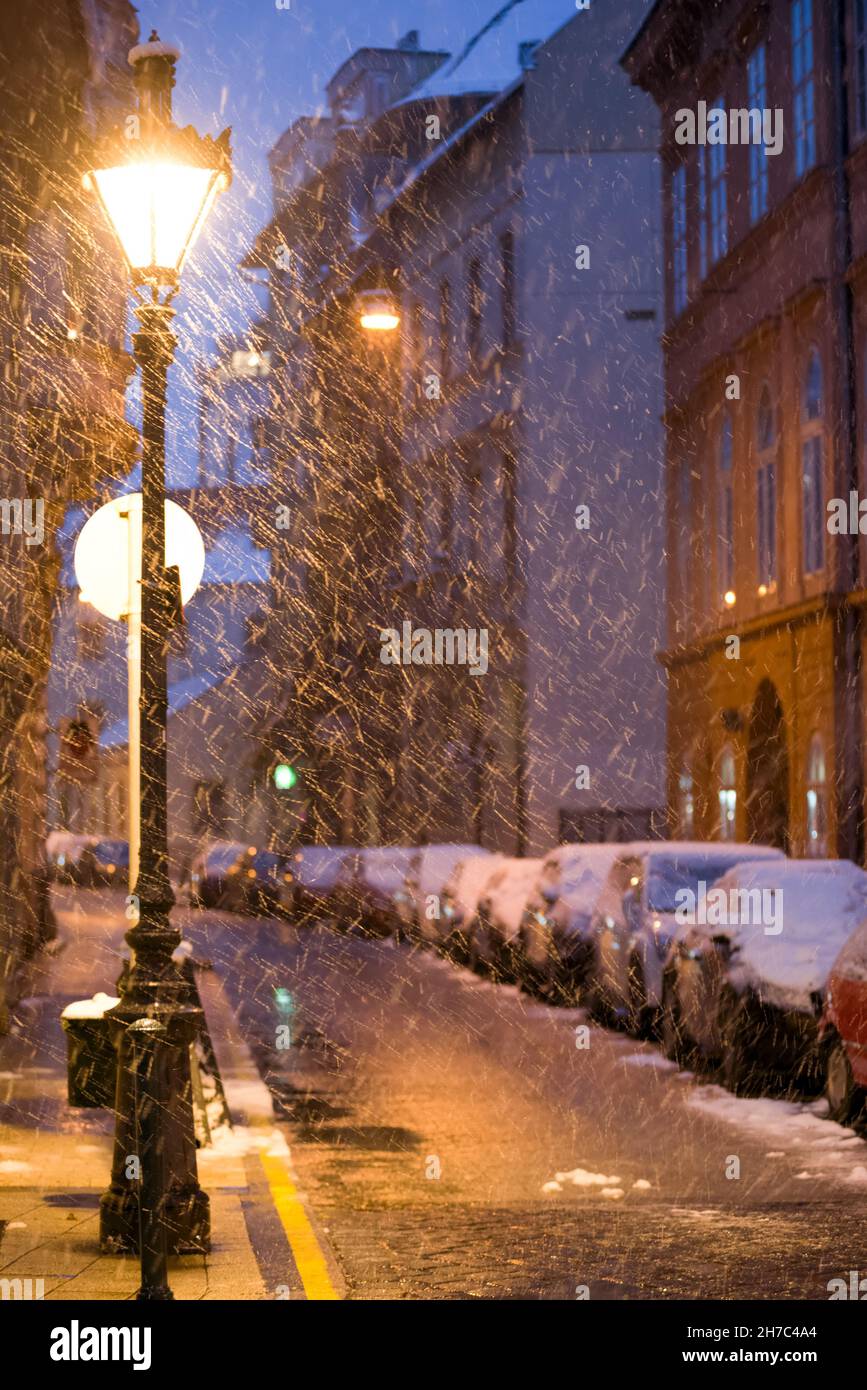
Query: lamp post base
x,y
185,1207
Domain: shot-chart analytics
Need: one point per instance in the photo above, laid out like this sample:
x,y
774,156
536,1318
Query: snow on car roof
x,y
508,889
469,878
433,864
787,956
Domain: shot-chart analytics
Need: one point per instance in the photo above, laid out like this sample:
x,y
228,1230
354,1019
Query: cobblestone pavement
x,y
428,1109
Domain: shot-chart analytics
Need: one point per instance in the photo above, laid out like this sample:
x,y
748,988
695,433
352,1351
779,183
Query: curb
x,y
250,1104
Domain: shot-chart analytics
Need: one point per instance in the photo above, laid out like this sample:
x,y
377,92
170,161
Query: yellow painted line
x,y
311,1262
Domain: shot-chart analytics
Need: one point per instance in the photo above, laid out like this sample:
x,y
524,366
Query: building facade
x,y
63,374
507,200
766,411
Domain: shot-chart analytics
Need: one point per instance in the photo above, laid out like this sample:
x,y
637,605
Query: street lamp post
x,y
156,184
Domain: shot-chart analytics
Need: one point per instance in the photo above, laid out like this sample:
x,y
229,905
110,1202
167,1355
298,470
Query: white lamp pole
x,y
133,670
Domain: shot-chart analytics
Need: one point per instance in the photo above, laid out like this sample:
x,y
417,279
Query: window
x,y
415,344
475,309
757,100
804,85
684,525
726,548
686,805
445,327
719,226
817,800
766,495
812,467
703,228
728,796
678,238
860,27
507,256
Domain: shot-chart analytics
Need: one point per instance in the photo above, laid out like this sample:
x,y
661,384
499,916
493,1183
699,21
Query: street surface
x,y
429,1114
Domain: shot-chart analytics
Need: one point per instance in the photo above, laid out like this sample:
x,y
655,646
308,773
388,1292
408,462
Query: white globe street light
x,y
108,562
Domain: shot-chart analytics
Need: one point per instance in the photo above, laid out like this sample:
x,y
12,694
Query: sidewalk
x,y
55,1161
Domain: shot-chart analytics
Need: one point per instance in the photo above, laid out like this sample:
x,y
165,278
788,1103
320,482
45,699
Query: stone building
x,y
494,466
63,374
766,416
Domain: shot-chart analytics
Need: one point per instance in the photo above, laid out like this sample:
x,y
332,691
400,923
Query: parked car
x,y
746,982
458,902
555,949
104,864
260,887
634,922
366,886
494,931
63,851
316,869
843,1030
430,869
217,862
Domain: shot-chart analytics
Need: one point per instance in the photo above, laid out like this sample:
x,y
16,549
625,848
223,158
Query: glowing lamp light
x,y
729,598
154,182
102,558
156,210
377,311
285,777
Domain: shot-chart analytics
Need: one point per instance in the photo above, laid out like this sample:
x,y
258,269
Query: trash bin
x,y
91,1058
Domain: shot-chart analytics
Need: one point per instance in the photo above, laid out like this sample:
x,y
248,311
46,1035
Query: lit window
x,y
678,238
686,806
803,85
812,465
766,495
757,100
726,553
445,327
817,800
728,796
475,310
703,228
719,221
860,23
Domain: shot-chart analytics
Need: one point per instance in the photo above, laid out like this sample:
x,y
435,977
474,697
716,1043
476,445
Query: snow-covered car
x,y
63,851
493,933
746,977
554,946
211,870
366,888
634,921
419,900
459,899
104,864
843,1031
315,870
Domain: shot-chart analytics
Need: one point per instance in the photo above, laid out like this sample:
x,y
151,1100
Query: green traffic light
x,y
285,777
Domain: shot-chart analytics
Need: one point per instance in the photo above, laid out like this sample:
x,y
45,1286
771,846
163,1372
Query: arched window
x,y
685,805
728,796
817,800
726,555
812,466
766,495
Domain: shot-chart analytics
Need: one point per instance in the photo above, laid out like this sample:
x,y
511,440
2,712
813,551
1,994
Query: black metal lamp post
x,y
156,184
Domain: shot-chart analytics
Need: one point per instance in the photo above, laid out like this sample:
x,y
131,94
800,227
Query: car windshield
x,y
668,877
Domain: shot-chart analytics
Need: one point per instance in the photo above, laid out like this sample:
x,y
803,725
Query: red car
x,y
844,1032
